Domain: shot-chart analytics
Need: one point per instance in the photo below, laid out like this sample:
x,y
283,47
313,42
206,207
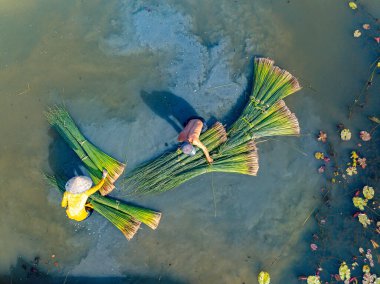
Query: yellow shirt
x,y
75,202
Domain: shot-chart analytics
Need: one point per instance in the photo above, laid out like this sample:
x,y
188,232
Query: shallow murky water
x,y
104,60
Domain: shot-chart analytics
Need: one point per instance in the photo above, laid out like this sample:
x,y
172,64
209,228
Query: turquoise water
x,y
98,57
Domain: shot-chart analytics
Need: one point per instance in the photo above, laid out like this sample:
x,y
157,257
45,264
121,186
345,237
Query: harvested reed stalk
x,y
239,159
270,85
265,115
149,217
163,168
124,222
93,158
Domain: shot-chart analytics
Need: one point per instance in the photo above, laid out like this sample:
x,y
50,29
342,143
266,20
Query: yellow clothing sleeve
x,y
95,188
64,200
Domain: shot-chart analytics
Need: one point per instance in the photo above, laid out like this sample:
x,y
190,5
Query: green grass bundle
x,y
93,158
264,115
265,106
162,172
126,217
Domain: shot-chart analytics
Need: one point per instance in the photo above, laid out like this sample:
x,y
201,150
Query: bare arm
x,y
199,144
64,200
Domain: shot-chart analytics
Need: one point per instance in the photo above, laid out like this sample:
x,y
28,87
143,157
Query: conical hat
x,y
78,184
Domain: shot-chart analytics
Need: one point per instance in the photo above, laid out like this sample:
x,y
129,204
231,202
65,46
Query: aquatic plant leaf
x,y
351,171
344,271
319,155
345,134
263,278
359,202
368,192
374,118
362,162
366,26
352,5
374,244
369,256
313,280
364,220
313,247
322,136
369,279
354,155
365,136
357,33
321,169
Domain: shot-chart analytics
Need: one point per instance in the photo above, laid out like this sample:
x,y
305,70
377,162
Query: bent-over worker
x,y
78,189
194,126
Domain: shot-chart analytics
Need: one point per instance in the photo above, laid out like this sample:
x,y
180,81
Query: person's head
x,y
188,149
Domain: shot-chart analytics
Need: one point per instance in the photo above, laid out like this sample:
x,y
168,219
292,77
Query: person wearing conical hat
x,y
78,189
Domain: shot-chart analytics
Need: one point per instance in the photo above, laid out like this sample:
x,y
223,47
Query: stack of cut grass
x,y
163,172
126,217
93,158
265,115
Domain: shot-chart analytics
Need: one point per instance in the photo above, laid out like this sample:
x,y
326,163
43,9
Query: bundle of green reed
x,y
93,158
162,171
265,115
126,217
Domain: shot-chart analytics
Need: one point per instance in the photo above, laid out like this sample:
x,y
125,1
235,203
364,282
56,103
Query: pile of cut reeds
x,y
92,157
126,217
235,151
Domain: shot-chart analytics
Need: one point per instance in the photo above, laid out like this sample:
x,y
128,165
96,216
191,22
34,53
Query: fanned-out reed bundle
x,y
265,115
163,172
93,158
126,217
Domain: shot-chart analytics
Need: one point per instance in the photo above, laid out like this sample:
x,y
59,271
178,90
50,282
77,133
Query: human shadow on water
x,y
63,160
32,272
174,109
235,111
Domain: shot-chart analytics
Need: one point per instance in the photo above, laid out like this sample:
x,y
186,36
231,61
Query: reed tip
x,y
131,229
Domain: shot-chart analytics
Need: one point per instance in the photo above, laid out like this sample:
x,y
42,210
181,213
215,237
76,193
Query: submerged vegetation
x,y
349,213
345,246
235,150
